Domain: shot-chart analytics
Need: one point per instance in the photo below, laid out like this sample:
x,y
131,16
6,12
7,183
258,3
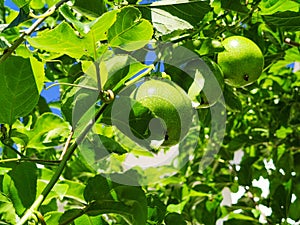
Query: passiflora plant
x,y
149,112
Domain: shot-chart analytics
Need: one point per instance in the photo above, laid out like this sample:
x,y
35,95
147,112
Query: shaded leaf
x,y
232,101
174,218
97,188
245,174
238,142
21,3
287,21
93,8
49,131
234,5
22,16
20,185
19,91
135,198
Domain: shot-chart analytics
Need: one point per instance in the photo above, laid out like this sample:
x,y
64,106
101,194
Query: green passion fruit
x,y
242,61
168,102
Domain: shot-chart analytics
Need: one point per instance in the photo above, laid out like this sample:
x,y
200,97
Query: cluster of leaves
x,y
262,127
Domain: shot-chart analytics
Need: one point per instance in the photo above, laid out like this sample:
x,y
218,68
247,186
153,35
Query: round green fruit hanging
x,y
168,102
242,61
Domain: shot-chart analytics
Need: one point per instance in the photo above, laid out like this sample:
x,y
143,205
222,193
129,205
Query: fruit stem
x,y
292,43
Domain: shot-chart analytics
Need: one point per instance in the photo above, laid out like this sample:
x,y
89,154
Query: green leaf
x,y
92,8
70,215
293,211
245,174
269,7
283,132
241,217
22,16
53,217
38,72
97,188
75,190
165,23
238,142
37,4
7,211
120,69
19,91
156,209
57,193
135,198
287,21
9,189
2,16
50,130
130,32
101,25
174,218
20,184
133,211
232,101
69,16
206,211
234,5
97,28
167,17
62,39
90,220
21,3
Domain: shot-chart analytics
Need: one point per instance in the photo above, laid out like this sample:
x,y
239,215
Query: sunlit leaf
x,y
130,31
48,131
62,39
7,211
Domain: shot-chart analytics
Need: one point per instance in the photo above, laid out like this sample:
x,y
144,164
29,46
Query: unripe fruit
x,y
242,61
171,104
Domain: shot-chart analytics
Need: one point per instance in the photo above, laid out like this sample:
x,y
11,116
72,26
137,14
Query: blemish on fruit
x,y
166,137
246,77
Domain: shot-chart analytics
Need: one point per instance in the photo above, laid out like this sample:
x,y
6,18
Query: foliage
x,y
50,172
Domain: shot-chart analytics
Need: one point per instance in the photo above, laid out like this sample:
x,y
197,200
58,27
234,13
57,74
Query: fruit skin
x,y
242,61
169,102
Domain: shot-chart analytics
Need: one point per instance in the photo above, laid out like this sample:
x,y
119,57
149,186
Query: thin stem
x,y
61,167
97,65
13,149
291,43
67,145
73,85
38,161
29,31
